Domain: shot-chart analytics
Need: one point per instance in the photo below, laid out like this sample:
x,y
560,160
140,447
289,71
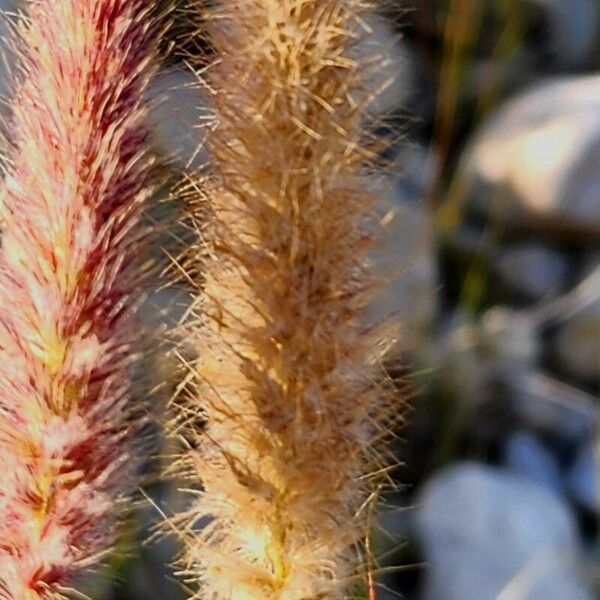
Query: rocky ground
x,y
500,488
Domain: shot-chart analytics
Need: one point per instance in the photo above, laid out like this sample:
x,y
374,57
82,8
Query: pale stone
x,y
489,535
535,162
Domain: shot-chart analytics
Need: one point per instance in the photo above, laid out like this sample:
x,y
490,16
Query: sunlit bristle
x,y
286,407
79,172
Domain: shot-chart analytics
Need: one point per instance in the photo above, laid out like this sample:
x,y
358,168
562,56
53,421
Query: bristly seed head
x,y
285,411
78,175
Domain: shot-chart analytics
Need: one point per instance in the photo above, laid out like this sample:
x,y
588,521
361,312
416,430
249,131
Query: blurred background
x,y
490,233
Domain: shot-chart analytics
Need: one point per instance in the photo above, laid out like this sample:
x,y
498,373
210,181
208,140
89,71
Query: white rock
x,y
510,339
527,457
578,344
456,353
535,162
533,270
550,406
179,111
472,355
488,535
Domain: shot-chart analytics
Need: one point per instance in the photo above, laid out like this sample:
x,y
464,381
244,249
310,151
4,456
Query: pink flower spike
x,y
70,207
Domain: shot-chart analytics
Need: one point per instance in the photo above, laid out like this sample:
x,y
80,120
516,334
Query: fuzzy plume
x,y
79,173
282,421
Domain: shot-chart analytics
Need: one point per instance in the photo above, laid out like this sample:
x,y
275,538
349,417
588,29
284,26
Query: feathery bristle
x,y
79,172
286,408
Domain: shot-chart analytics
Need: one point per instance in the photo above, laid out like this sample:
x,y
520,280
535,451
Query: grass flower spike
x,y
78,175
282,421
